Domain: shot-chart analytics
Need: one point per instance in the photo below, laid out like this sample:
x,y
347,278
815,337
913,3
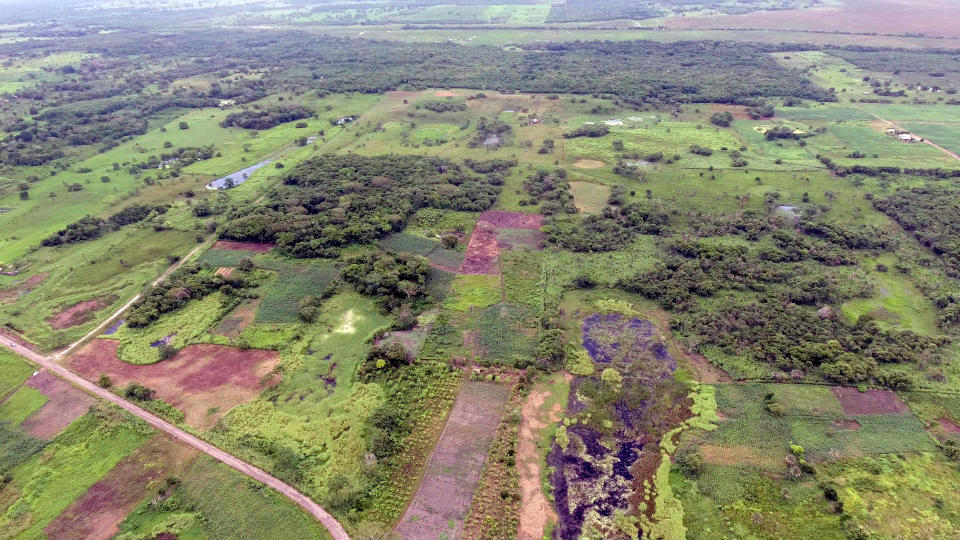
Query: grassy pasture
x,y
945,135
214,501
183,327
21,404
24,72
314,420
239,148
897,301
293,280
473,291
667,137
590,198
809,420
113,267
48,482
13,371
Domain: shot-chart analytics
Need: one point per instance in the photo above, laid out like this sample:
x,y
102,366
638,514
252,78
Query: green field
x,y
732,231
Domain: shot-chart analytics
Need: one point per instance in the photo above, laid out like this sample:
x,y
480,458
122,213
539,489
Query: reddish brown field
x,y
255,247
948,426
482,253
870,402
198,379
77,314
441,503
224,271
66,404
511,220
927,17
535,509
12,293
98,512
738,111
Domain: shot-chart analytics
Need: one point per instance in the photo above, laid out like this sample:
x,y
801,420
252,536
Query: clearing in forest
x,y
204,381
590,198
441,503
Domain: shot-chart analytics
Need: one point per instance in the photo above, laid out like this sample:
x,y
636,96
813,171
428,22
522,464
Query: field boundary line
x,y
116,314
335,529
423,472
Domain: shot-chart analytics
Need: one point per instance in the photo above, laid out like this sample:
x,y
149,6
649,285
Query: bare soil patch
x,y
847,424
256,247
78,313
855,402
482,253
403,94
927,17
511,220
233,324
224,271
739,112
10,294
440,504
535,509
198,380
65,404
949,426
707,372
445,93
587,164
96,515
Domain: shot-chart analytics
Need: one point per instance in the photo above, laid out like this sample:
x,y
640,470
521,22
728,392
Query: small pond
x,y
238,177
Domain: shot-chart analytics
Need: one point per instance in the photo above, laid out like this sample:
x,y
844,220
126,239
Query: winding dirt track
x,y
332,525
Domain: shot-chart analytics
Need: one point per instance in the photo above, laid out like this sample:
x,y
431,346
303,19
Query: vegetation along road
x,y
332,525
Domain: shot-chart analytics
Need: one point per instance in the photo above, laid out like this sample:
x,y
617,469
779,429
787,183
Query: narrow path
x,y
49,363
116,314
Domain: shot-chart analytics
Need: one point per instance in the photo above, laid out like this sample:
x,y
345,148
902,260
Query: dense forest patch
x,y
331,201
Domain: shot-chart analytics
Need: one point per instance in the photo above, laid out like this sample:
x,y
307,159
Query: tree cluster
x,y
332,201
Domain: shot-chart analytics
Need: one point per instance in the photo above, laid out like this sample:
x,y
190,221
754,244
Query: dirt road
x,y
116,314
49,363
954,155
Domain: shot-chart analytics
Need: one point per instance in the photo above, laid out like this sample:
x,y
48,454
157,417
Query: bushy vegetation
x,y
394,280
261,119
186,283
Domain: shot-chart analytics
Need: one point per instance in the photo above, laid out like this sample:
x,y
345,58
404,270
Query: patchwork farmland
x,y
406,270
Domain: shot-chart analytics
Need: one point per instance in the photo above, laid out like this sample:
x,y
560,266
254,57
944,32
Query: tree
x,y
138,392
24,195
184,125
104,381
245,264
722,119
